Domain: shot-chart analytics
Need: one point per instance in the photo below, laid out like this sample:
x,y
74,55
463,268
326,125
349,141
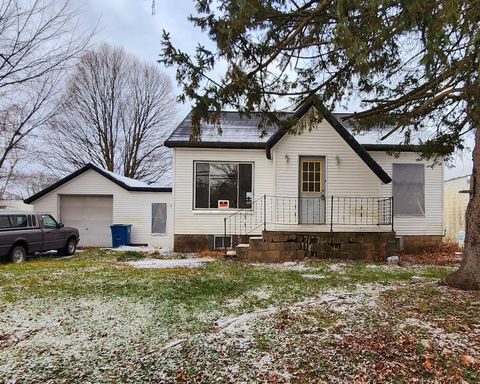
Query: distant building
x,y
456,207
15,205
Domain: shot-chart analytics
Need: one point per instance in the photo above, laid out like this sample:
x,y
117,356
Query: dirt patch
x,y
446,254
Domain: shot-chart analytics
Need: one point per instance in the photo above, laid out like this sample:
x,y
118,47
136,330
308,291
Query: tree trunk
x,y
468,275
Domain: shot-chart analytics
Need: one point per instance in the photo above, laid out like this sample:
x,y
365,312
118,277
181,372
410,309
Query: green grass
x,y
92,317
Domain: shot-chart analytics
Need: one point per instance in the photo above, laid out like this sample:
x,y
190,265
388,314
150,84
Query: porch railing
x,y
332,210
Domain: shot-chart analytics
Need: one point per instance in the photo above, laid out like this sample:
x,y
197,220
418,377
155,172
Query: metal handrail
x,y
287,210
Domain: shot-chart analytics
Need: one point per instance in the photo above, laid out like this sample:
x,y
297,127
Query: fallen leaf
x,y
467,361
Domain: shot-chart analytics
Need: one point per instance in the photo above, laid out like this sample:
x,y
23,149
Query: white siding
x,y
346,174
432,222
128,207
190,221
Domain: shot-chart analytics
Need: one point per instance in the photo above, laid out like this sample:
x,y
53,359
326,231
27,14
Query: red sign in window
x,y
223,203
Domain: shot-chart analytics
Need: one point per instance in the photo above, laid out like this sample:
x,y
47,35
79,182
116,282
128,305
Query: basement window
x,y
222,242
223,185
409,189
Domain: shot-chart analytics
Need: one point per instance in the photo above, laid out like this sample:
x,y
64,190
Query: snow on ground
x,y
340,300
288,265
312,276
144,249
169,263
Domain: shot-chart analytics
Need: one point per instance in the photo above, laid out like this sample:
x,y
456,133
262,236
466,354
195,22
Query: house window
x,y
223,185
159,218
221,242
409,189
312,175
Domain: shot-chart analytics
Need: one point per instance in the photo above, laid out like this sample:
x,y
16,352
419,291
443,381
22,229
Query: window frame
x,y
12,215
320,180
215,237
194,178
417,215
151,219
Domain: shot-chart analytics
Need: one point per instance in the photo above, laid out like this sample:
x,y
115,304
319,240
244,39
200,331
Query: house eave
x,y
390,148
214,144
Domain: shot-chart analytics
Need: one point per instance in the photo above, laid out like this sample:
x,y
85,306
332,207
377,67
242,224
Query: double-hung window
x,y
223,185
409,189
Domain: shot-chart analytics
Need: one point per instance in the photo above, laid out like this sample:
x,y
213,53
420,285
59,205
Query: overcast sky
x,y
130,24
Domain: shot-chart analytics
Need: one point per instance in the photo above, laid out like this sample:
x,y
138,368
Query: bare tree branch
x,y
116,113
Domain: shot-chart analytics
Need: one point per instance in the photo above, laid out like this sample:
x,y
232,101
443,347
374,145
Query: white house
x,y
323,181
325,190
91,199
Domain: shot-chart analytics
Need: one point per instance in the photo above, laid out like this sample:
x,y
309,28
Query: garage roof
x,y
122,181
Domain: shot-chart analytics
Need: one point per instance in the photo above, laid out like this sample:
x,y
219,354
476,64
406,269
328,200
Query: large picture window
x,y
223,185
409,189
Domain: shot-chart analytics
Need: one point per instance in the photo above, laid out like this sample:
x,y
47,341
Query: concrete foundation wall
x,y
369,246
418,244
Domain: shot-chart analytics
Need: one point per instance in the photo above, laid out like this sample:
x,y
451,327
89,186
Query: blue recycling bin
x,y
121,234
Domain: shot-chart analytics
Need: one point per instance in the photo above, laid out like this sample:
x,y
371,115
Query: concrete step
x,y
255,241
241,250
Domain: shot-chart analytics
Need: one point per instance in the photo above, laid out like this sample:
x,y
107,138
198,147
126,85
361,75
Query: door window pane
x,y
48,222
409,189
311,176
159,218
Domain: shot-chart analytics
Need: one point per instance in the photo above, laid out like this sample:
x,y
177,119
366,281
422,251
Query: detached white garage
x,y
91,199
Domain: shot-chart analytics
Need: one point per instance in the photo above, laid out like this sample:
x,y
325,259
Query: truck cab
x,y
24,233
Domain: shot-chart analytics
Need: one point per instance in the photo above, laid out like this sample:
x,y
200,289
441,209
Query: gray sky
x,y
130,24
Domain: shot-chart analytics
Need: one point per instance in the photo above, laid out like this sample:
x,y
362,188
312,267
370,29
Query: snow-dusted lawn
x,y
97,317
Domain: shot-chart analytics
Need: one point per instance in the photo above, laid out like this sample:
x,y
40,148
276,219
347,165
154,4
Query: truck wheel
x,y
70,247
18,254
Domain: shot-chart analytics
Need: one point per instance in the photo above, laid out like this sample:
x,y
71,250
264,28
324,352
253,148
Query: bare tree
x,y
116,113
38,41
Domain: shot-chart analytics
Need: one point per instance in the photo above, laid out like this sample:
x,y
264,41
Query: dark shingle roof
x,y
243,132
235,129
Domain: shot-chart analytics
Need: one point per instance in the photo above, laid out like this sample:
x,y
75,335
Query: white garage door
x,y
92,215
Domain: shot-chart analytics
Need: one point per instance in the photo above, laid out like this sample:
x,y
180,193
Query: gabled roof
x,y
341,130
243,132
122,181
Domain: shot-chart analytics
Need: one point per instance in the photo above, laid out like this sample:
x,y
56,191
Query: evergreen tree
x,y
414,64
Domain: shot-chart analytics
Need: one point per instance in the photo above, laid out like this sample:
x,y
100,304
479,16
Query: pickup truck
x,y
24,233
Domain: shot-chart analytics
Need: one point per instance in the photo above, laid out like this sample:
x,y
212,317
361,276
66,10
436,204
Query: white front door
x,y
312,190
